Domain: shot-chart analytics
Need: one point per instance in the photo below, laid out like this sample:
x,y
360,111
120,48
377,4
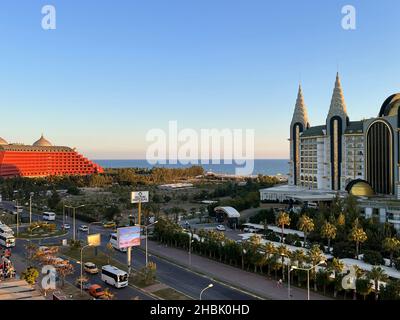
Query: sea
x,y
261,166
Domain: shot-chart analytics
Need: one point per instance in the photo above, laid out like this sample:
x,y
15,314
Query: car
x,y
66,226
220,227
85,284
96,291
109,224
91,268
83,228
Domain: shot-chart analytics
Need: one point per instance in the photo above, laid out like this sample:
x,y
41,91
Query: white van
x,y
6,229
49,216
114,276
114,242
7,240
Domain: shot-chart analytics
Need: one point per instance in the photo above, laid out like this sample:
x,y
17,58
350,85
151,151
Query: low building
x,y
15,289
229,215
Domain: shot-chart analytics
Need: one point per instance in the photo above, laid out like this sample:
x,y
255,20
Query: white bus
x,y
7,240
6,229
49,216
114,242
114,276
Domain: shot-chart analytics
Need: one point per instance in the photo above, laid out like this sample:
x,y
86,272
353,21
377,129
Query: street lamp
x,y
146,239
30,207
308,275
208,287
190,248
88,245
74,212
289,271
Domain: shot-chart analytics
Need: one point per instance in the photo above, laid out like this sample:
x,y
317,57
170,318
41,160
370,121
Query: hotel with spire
x,y
335,155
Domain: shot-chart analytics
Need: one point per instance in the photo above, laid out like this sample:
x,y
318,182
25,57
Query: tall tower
x,y
336,124
299,124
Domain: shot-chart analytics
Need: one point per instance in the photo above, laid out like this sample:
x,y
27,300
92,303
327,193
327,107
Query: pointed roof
x,y
300,110
338,105
42,142
3,142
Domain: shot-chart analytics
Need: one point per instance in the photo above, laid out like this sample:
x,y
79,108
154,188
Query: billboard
x,y
94,240
128,237
139,196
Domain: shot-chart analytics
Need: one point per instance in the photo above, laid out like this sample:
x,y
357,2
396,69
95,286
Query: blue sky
x,y
112,70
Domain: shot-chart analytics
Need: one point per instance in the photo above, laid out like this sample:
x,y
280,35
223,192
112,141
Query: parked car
x,y
66,226
220,227
109,224
83,228
91,268
96,291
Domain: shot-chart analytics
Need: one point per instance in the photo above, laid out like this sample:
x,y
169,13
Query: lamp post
x,y
30,207
190,248
208,287
308,275
290,269
74,213
88,245
146,227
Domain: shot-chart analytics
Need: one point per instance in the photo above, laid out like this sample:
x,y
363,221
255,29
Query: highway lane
x,y
186,281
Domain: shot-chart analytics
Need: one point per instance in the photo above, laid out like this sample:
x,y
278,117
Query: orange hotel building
x,y
43,159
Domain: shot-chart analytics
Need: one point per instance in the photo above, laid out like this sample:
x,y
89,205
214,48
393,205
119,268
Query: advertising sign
x,y
139,196
128,237
94,240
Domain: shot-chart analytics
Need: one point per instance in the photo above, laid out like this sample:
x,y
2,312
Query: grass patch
x,y
171,294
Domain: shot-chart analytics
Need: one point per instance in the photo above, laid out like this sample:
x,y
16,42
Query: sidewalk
x,y
253,283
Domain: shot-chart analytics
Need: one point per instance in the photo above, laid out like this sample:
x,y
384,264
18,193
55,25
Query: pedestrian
x,y
280,283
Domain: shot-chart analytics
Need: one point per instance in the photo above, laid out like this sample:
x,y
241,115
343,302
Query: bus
x,y
7,240
6,229
114,276
114,242
49,216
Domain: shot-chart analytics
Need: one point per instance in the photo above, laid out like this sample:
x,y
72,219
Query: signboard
x,y
128,237
139,196
94,240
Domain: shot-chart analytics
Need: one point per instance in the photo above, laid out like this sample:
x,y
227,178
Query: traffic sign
x,y
139,196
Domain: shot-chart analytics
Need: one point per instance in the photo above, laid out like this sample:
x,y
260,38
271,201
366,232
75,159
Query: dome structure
x,y
42,142
391,106
3,142
360,188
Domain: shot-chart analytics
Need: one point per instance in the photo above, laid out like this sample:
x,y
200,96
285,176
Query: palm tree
x,y
337,267
357,235
377,274
391,245
363,287
270,251
315,256
328,231
282,220
283,252
306,224
299,257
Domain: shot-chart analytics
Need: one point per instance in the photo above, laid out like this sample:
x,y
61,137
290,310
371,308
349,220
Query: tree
x,y
377,274
108,295
54,200
337,267
363,287
299,257
270,251
392,245
283,252
391,291
328,231
357,235
30,275
315,256
306,224
282,221
110,251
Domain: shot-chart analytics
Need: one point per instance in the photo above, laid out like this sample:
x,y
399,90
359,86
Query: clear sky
x,y
112,70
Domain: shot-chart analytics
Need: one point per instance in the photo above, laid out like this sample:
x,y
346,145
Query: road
x,y
183,280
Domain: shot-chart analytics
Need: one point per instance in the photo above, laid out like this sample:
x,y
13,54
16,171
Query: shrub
x,y
373,257
30,275
343,250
